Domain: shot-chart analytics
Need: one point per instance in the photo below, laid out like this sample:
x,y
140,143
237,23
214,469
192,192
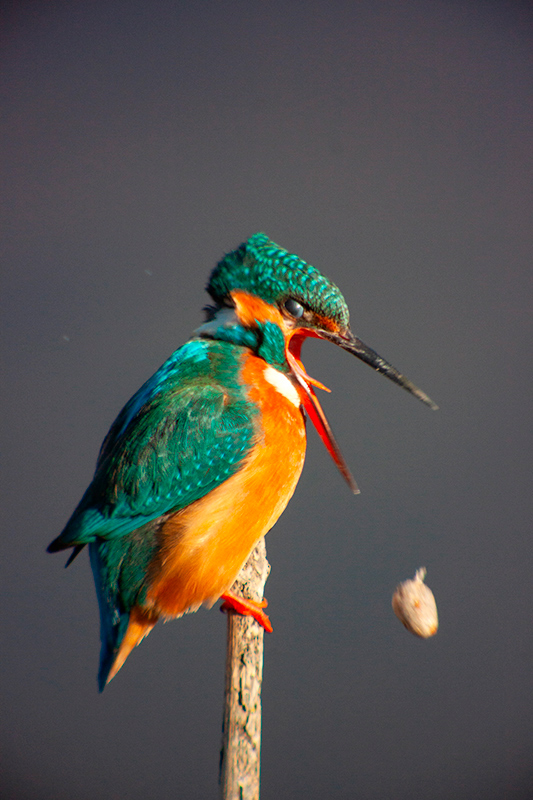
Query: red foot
x,y
248,608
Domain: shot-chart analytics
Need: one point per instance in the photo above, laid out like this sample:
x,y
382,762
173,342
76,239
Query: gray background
x,y
389,144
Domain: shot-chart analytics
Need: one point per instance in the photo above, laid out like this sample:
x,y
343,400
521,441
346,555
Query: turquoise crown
x,y
262,268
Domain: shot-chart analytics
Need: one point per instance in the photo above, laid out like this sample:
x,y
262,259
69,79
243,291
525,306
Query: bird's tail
x,y
123,623
139,625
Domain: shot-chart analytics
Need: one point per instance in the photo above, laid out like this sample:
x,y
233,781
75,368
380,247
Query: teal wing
x,y
182,434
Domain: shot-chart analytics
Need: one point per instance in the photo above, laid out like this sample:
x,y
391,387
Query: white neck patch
x,y
282,384
224,318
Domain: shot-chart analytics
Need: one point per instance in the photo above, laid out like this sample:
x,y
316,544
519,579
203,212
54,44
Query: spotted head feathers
x,y
262,268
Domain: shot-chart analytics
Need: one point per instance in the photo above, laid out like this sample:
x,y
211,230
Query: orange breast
x,y
205,545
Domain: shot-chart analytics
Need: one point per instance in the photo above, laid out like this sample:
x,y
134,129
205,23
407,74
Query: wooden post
x,y
240,757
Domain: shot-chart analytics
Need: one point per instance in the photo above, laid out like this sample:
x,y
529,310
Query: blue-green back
x,y
184,432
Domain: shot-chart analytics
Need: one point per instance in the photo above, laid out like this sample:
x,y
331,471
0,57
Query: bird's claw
x,y
248,608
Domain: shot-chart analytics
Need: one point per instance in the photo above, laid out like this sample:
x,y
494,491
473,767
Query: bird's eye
x,y
294,308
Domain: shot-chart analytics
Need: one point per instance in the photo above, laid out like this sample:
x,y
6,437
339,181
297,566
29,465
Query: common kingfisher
x,y
204,458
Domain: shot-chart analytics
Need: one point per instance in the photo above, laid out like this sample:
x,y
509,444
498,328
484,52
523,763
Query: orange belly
x,y
204,546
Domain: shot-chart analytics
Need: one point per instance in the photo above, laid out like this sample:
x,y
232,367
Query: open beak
x,y
310,402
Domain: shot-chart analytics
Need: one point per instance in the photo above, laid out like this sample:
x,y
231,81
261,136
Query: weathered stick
x,y
240,757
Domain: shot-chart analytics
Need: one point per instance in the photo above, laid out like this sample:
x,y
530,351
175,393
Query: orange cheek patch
x,y
250,310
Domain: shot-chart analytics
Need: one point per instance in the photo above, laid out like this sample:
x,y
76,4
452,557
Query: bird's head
x,y
273,301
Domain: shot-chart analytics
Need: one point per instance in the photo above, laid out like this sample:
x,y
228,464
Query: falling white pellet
x,y
414,605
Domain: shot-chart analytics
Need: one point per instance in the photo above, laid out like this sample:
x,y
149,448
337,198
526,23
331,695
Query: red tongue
x,y
315,412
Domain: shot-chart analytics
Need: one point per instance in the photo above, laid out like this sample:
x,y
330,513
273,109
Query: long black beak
x,y
358,348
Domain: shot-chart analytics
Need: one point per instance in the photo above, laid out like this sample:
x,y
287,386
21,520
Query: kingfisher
x,y
202,461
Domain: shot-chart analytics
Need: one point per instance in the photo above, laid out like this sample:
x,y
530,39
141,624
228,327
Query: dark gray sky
x,y
389,144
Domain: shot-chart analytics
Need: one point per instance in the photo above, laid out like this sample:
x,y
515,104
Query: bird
x,y
203,459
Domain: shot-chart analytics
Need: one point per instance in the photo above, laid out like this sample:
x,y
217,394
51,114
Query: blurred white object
x,y
414,605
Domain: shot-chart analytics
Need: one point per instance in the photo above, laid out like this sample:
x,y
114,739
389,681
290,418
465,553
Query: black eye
x,y
294,308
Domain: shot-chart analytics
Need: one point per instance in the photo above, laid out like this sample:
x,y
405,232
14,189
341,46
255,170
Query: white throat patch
x,y
283,385
224,318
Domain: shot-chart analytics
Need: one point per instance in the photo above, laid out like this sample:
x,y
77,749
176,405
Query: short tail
x,y
139,625
123,623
